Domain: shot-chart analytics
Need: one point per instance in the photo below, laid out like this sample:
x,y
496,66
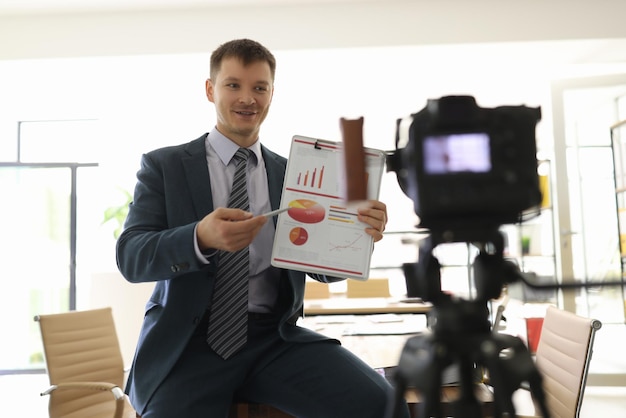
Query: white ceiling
x,y
8,7
547,37
592,50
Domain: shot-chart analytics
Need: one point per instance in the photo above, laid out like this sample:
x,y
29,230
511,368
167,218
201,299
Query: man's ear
x,y
209,90
272,96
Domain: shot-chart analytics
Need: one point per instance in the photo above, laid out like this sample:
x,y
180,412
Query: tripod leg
x,y
536,389
421,363
396,400
508,371
467,405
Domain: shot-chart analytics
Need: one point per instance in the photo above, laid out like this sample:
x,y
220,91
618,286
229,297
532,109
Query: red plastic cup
x,y
533,333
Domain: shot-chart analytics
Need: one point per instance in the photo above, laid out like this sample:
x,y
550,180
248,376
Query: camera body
x,y
465,166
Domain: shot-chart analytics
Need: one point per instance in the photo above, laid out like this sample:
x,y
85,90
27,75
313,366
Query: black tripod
x,y
461,335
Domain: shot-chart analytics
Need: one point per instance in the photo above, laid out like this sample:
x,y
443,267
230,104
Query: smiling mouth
x,y
245,112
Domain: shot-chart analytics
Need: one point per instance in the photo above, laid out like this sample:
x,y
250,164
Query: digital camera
x,y
467,167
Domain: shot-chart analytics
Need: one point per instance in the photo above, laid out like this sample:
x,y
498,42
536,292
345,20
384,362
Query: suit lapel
x,y
198,179
275,166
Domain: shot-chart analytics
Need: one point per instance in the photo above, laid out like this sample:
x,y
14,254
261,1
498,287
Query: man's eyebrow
x,y
237,80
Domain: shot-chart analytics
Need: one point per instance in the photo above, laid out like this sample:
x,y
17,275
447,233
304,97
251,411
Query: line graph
x,y
346,244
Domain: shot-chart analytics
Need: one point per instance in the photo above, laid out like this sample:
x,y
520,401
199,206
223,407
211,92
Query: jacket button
x,y
180,267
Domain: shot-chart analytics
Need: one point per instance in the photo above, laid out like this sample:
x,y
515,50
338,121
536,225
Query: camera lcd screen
x,y
457,153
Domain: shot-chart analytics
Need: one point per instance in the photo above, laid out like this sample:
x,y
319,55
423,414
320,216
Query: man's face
x,y
242,96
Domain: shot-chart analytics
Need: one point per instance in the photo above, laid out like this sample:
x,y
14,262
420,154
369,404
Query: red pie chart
x,y
306,211
298,236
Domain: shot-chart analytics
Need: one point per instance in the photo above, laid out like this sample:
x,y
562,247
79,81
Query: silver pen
x,y
275,212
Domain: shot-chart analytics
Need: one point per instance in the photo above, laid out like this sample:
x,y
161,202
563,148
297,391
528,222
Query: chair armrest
x,y
118,393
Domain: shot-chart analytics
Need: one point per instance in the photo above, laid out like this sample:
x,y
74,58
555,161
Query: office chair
x,y
563,357
84,364
316,290
371,288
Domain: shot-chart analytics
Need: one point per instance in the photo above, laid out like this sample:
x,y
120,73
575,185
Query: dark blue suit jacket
x,y
172,194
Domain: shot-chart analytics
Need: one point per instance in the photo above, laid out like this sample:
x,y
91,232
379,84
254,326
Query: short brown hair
x,y
248,51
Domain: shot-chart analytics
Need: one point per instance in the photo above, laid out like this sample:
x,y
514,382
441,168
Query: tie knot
x,y
242,154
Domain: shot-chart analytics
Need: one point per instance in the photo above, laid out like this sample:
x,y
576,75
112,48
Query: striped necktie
x,y
228,322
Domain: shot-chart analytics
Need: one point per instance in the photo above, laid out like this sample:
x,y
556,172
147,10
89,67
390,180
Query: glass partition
x,y
35,245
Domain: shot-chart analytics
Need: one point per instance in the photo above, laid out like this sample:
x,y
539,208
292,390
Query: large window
x,y
39,225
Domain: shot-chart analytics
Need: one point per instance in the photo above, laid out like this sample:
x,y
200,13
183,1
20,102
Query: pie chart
x,y
298,236
306,211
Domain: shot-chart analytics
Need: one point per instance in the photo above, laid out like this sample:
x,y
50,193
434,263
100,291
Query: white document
x,y
320,232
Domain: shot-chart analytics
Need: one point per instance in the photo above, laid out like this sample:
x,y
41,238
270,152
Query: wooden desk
x,y
448,395
363,306
383,350
371,337
358,333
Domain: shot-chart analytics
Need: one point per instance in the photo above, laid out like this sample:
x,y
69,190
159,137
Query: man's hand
x,y
374,213
228,229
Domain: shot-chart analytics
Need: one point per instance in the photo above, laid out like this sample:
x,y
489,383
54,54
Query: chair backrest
x,y
370,288
563,357
316,290
81,346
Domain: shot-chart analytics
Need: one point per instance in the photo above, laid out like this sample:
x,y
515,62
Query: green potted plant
x,y
117,214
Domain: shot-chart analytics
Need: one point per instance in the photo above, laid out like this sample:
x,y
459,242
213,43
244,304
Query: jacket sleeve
x,y
157,241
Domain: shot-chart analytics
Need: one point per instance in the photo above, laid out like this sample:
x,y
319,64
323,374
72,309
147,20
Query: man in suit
x,y
178,229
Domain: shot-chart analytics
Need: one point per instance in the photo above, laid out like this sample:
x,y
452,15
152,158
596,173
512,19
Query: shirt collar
x,y
226,149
